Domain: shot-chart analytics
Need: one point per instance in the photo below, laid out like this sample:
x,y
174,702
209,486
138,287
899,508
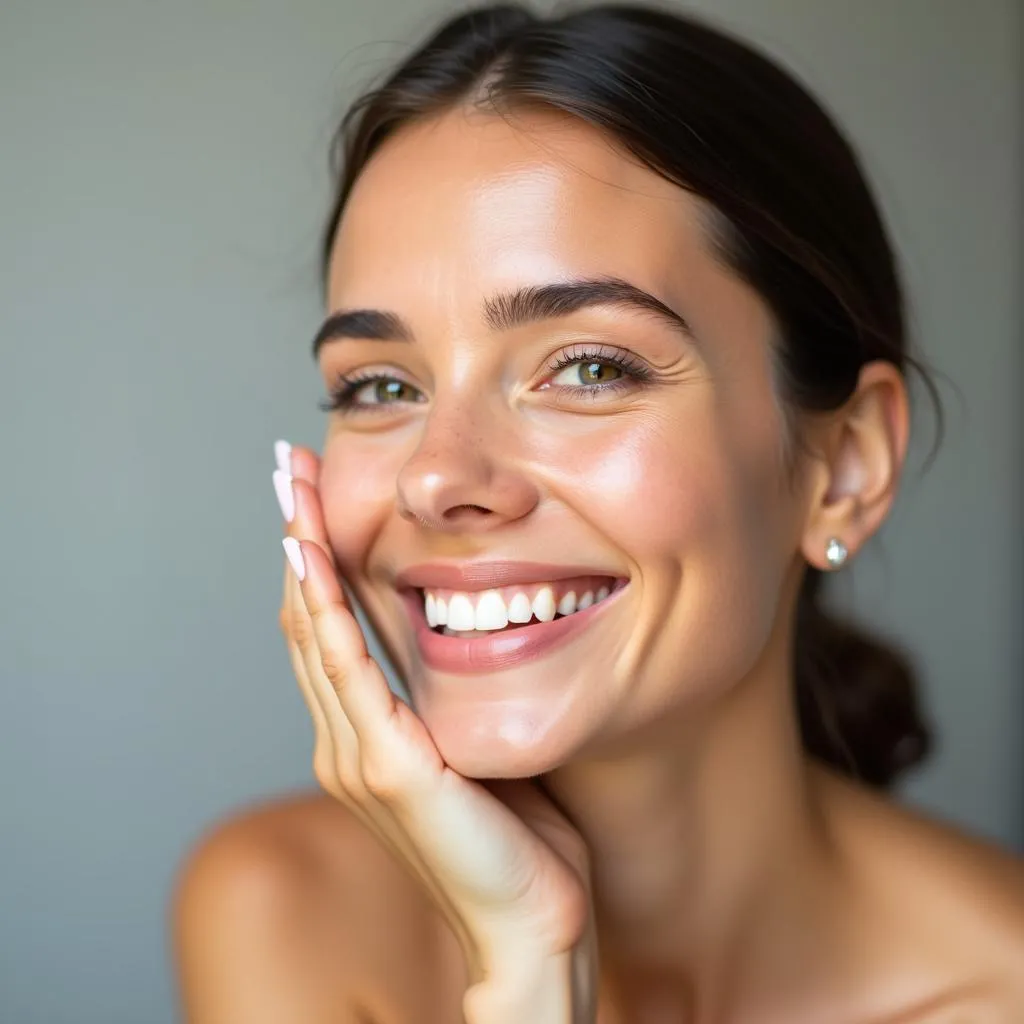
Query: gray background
x,y
162,182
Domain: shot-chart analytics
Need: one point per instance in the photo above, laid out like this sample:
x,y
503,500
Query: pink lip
x,y
485,575
491,652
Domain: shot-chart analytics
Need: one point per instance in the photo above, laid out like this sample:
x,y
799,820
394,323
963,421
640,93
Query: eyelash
x,y
341,397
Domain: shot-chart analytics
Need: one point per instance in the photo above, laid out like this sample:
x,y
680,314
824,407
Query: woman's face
x,y
619,446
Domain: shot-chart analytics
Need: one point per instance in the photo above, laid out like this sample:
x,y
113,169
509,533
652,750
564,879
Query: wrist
x,y
558,989
539,991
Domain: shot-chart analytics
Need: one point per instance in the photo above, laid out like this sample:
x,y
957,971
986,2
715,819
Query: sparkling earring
x,y
835,553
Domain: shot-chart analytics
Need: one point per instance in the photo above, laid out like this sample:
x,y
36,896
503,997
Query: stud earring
x,y
835,553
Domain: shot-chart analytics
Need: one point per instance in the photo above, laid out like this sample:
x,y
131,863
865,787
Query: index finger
x,y
298,462
299,495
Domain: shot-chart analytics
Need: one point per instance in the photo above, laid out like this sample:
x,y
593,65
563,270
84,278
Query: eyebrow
x,y
510,309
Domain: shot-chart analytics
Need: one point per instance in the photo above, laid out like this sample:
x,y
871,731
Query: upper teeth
x,y
492,609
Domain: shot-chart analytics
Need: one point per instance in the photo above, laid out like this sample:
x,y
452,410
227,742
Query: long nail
x,y
283,456
294,553
285,494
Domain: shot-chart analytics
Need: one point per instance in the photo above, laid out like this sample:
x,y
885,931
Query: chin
x,y
498,742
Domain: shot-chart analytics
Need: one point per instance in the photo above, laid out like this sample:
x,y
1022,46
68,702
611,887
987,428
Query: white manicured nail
x,y
285,494
294,553
283,456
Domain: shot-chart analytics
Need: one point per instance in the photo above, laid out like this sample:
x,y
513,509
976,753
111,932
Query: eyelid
x,y
340,395
636,374
635,368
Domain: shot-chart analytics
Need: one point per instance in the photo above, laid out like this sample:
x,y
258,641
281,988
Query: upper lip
x,y
486,575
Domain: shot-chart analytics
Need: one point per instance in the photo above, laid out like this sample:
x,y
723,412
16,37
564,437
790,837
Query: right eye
x,y
369,392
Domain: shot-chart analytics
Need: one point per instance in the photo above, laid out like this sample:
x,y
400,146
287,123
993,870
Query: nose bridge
x,y
463,469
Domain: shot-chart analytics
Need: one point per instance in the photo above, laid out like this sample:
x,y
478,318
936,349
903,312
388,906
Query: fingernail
x,y
294,553
283,456
285,494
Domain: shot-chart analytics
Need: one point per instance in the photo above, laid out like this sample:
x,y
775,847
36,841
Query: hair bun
x,y
856,697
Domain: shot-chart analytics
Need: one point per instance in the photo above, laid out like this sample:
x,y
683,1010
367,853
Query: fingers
x,y
309,517
295,483
324,753
319,678
303,517
336,652
298,462
359,738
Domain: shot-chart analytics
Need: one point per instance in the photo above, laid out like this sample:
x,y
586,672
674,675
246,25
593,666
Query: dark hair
x,y
793,216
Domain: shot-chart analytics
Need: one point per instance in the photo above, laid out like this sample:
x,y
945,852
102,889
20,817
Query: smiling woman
x,y
615,358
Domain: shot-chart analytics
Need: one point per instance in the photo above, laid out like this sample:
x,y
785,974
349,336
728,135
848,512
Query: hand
x,y
500,861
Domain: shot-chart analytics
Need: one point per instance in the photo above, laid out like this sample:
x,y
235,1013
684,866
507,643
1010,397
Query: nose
x,y
463,475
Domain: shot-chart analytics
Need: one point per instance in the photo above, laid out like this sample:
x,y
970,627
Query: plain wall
x,y
162,184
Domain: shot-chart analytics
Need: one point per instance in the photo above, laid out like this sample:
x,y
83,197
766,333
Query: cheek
x,y
357,489
701,515
655,490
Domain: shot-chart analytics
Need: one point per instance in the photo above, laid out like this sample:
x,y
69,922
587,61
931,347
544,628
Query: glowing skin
x,y
677,483
665,731
732,880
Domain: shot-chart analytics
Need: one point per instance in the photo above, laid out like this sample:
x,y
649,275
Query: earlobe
x,y
863,459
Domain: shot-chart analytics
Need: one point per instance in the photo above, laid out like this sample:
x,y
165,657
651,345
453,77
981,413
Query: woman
x,y
616,358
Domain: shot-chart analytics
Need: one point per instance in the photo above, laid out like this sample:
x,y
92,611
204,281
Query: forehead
x,y
478,201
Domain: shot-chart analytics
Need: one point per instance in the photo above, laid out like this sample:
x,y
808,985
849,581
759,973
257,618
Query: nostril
x,y
460,513
417,517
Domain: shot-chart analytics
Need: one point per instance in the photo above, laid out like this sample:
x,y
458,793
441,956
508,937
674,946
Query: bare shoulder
x,y
949,906
298,895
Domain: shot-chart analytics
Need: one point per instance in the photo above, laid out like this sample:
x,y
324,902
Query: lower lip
x,y
491,652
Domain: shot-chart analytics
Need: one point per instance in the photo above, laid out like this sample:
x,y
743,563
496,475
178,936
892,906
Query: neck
x,y
709,856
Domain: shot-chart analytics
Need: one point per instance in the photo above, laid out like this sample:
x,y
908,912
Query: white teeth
x,y
460,613
544,604
468,612
519,609
490,611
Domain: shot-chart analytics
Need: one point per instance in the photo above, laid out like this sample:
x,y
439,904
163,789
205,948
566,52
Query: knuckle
x,y
317,613
352,783
323,772
345,785
383,781
334,669
298,629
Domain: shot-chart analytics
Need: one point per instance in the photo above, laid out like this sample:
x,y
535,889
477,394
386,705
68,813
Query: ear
x,y
861,448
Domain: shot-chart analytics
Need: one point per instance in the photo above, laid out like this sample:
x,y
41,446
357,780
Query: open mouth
x,y
484,629
475,614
